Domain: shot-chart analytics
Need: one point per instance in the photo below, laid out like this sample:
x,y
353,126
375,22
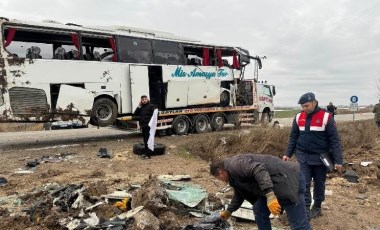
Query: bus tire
x,y
225,98
139,148
201,124
217,122
180,125
104,112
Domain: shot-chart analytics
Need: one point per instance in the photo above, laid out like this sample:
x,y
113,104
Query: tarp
x,y
187,193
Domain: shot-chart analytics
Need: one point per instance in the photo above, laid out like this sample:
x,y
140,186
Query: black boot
x,y
315,211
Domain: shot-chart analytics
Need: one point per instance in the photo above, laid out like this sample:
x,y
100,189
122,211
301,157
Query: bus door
x,y
139,83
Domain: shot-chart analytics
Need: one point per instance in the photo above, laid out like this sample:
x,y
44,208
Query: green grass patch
x,y
286,113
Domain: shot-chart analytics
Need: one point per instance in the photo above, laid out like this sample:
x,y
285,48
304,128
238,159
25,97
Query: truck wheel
x,y
201,124
265,119
225,98
217,121
181,125
104,112
139,149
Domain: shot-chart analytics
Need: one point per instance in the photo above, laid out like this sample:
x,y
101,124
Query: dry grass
x,y
257,139
354,137
358,133
20,127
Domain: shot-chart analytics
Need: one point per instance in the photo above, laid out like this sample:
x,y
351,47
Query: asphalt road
x,y
30,139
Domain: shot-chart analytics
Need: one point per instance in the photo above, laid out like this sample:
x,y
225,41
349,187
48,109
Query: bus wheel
x,y
181,125
265,119
104,112
217,121
201,124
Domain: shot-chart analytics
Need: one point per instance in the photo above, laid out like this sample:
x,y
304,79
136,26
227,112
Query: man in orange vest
x,y
314,133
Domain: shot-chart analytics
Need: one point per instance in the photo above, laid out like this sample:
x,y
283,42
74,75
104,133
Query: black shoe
x,y
315,212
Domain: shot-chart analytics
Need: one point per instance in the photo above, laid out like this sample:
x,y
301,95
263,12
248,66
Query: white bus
x,y
52,71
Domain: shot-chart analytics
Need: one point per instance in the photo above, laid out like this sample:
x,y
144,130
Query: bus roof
x,y
114,30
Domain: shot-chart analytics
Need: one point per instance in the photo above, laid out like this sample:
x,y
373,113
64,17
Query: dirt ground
x,y
350,206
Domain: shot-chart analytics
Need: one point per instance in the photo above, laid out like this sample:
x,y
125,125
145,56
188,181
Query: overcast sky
x,y
331,48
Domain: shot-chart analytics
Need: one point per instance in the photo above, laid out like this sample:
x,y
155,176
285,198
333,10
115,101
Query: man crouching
x,y
268,183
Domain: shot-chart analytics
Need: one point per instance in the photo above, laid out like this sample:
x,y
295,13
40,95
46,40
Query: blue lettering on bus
x,y
179,72
222,73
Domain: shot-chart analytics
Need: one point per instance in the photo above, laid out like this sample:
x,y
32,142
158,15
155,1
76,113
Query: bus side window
x,y
227,58
193,55
165,52
37,44
135,50
96,48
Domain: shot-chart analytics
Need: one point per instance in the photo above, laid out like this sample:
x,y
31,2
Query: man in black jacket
x,y
331,108
268,183
145,111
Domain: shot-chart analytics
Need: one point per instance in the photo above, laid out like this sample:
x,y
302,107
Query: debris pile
x,y
149,206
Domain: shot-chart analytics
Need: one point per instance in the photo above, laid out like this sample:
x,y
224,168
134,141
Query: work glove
x,y
123,205
225,215
272,203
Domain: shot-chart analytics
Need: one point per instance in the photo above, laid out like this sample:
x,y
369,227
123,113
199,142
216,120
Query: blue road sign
x,y
354,99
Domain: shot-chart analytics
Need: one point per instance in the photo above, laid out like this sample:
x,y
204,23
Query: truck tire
x,y
139,148
201,124
104,112
217,122
181,125
265,118
225,98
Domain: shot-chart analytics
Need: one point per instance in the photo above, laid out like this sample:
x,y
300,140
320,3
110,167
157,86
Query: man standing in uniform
x,y
268,184
145,110
331,108
313,133
376,111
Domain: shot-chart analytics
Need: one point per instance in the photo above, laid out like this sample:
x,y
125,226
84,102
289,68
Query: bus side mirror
x,y
274,90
